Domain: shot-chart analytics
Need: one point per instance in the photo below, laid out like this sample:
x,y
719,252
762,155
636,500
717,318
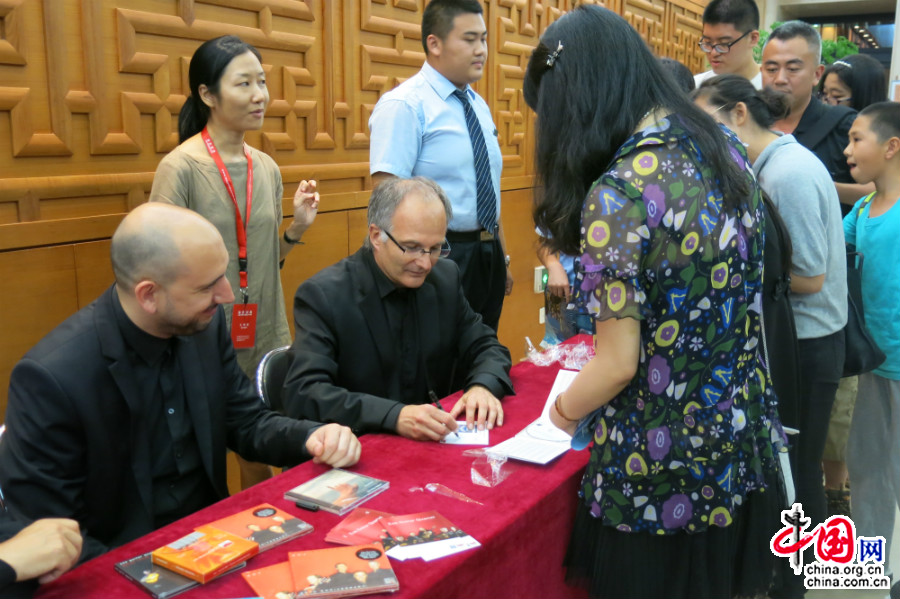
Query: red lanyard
x,y
241,225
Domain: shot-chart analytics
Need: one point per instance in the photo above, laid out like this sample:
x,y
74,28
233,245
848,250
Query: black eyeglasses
x,y
721,48
417,253
835,100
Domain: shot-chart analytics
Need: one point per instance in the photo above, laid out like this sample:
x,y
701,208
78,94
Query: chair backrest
x,y
270,376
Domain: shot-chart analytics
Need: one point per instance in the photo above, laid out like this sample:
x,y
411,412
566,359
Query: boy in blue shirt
x,y
873,227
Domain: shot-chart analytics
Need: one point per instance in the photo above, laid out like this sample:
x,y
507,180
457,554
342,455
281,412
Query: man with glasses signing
x,y
730,32
383,333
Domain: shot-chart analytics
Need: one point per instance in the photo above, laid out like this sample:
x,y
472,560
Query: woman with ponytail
x,y
802,190
239,189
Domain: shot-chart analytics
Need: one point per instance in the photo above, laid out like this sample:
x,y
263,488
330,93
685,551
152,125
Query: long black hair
x,y
724,92
207,66
589,102
864,77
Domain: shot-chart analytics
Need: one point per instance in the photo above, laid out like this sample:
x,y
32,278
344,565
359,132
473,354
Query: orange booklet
x,y
271,582
342,571
361,526
265,524
205,553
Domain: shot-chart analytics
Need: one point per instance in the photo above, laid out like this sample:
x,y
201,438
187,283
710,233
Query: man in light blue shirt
x,y
420,128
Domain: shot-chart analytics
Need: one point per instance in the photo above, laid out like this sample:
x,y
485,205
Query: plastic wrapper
x,y
446,491
489,469
571,356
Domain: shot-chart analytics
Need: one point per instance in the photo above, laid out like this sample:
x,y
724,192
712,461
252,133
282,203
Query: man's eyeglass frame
x,y
721,48
443,252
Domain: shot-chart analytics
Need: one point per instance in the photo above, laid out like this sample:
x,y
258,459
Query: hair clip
x,y
843,64
551,58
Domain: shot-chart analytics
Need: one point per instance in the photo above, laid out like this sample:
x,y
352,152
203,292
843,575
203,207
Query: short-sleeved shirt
x,y
701,77
186,180
807,200
419,128
681,446
876,239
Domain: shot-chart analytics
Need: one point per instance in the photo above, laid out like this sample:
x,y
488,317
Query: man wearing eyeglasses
x,y
730,32
383,333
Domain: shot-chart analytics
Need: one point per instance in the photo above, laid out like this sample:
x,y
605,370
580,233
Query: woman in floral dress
x,y
683,491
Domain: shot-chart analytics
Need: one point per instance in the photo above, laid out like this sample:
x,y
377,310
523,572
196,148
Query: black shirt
x,y
180,483
828,147
7,576
399,308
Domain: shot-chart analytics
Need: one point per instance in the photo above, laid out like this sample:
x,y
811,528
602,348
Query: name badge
x,y
243,325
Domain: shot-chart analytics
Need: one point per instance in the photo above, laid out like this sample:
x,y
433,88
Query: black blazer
x,y
345,366
75,446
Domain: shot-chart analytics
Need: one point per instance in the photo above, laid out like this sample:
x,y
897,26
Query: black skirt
x,y
734,561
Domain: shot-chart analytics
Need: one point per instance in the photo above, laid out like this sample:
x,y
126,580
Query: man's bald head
x,y
151,241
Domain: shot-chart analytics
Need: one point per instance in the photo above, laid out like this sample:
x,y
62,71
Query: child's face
x,y
865,154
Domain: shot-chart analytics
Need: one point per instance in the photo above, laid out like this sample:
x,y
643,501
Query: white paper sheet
x,y
529,449
467,436
540,442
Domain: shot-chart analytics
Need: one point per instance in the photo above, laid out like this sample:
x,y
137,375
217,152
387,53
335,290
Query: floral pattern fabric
x,y
681,446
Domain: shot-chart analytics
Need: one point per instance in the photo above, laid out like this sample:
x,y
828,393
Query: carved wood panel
x,y
85,122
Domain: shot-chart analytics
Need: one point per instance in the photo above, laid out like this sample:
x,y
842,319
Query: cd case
x,y
159,582
337,491
265,524
205,553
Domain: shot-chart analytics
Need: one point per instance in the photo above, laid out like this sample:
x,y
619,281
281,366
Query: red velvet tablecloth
x,y
523,526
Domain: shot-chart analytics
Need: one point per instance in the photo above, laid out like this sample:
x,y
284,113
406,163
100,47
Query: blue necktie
x,y
486,201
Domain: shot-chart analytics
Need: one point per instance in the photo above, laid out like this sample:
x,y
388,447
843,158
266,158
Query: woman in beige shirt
x,y
229,97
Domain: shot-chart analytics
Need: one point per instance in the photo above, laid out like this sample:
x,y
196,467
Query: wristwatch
x,y
507,260
291,241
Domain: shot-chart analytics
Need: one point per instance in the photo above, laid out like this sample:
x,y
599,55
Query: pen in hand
x,y
437,404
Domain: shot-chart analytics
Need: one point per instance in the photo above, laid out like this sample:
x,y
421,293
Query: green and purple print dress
x,y
681,446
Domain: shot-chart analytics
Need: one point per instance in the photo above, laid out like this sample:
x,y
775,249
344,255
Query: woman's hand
x,y
306,206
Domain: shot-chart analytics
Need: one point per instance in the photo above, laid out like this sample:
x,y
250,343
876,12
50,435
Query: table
x,y
523,526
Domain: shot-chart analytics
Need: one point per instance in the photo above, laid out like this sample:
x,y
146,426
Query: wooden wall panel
x,y
358,229
40,293
93,270
90,93
324,244
520,309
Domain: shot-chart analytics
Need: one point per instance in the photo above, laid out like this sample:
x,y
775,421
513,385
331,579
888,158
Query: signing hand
x,y
425,423
334,445
481,408
45,548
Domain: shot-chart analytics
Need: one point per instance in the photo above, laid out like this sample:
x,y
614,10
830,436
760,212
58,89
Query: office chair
x,y
270,376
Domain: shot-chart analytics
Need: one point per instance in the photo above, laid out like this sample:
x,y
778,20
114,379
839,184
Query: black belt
x,y
462,236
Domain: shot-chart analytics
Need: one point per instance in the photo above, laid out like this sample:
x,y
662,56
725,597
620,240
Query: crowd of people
x,y
697,226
